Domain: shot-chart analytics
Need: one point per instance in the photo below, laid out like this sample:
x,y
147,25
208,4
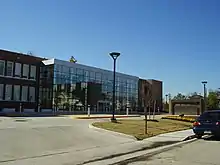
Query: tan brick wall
x,y
150,90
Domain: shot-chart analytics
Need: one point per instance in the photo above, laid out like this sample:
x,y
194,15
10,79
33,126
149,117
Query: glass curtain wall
x,y
74,89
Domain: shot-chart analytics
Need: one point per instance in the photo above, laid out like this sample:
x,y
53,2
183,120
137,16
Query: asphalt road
x,y
201,152
25,139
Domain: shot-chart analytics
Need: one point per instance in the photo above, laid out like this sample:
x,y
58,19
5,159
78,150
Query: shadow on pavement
x,y
211,138
154,145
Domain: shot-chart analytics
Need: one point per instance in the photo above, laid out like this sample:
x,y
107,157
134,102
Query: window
x,y
98,76
86,75
9,71
92,75
33,72
32,94
72,70
17,70
2,67
8,92
25,70
1,91
79,71
24,93
17,89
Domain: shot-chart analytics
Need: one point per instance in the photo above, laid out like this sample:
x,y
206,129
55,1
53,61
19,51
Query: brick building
x,y
149,93
19,75
27,81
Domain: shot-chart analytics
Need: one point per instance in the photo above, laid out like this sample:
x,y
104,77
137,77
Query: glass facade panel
x,y
75,88
2,67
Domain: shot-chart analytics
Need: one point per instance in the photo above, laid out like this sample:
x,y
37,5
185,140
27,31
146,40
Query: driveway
x,y
26,138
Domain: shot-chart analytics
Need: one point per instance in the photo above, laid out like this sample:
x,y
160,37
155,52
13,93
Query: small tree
x,y
73,60
179,96
212,100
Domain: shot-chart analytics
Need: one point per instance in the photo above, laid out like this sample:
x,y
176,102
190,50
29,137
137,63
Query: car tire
x,y
217,136
199,136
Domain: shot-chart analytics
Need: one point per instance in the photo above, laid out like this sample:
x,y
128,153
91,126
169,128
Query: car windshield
x,y
210,116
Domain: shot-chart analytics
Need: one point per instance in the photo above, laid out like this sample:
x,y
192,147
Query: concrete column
x,y
170,107
198,111
88,110
38,107
20,108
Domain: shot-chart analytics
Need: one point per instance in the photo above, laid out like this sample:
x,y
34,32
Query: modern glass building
x,y
75,87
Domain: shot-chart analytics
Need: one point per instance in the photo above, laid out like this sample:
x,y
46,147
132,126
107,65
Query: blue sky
x,y
173,41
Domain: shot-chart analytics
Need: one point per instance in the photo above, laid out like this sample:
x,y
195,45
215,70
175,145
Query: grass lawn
x,y
136,127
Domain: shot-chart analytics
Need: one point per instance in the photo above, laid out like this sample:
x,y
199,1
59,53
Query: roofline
x,y
150,80
13,52
53,60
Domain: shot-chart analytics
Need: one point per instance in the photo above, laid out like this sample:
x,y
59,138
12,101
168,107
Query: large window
x,y
24,93
25,70
9,71
32,94
1,91
8,92
98,76
17,70
33,72
17,89
2,68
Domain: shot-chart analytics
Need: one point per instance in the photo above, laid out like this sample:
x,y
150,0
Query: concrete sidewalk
x,y
151,145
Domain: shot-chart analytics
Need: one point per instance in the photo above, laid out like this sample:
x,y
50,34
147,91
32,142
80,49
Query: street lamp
x,y
166,97
114,56
204,90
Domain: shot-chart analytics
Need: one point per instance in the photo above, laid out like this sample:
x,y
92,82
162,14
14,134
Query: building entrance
x,y
103,106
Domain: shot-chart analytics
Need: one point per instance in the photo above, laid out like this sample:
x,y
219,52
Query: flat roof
x,y
70,64
23,54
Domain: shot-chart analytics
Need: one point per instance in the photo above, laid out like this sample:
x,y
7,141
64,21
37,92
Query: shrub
x,y
181,118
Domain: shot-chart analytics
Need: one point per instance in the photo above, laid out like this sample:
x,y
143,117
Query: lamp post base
x,y
113,120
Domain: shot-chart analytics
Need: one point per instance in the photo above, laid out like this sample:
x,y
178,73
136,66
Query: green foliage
x,y
179,96
73,60
212,100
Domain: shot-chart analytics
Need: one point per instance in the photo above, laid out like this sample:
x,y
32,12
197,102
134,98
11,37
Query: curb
x,y
135,157
130,136
103,117
112,132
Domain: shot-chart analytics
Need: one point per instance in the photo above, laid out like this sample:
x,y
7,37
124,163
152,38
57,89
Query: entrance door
x,y
103,106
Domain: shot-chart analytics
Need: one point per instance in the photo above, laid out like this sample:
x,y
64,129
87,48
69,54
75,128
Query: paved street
x,y
65,141
200,152
26,138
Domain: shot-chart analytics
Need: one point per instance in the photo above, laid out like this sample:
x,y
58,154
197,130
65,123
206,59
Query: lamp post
x,y
166,97
114,56
166,101
205,91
